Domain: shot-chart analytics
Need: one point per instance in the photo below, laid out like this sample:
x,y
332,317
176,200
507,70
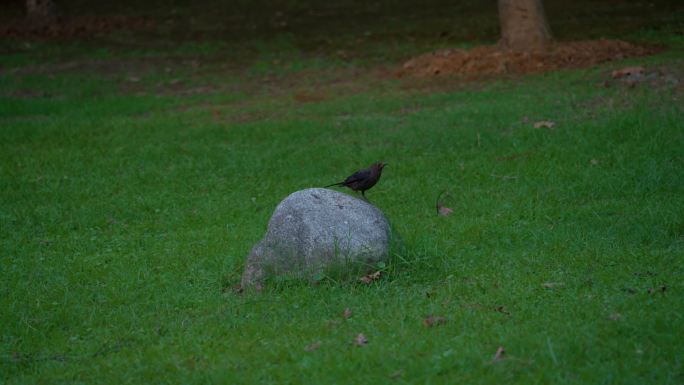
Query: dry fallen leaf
x,y
431,320
370,277
347,313
397,373
237,289
332,322
313,346
502,309
657,289
441,209
499,355
360,340
551,285
544,124
628,71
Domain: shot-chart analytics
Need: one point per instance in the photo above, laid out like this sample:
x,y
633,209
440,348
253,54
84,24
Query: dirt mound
x,y
492,60
75,27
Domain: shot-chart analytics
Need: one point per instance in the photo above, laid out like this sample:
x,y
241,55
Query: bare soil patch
x,y
492,60
82,26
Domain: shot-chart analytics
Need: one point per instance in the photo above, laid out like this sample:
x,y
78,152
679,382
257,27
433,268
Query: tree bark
x,y
41,12
523,25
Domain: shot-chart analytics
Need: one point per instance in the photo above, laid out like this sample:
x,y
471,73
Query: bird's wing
x,y
357,176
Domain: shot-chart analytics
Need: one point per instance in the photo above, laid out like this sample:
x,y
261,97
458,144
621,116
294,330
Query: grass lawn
x,y
138,168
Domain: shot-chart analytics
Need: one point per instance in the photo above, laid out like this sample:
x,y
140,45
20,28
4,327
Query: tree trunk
x,y
523,25
41,12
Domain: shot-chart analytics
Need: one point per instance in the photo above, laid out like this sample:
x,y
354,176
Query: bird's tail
x,y
334,184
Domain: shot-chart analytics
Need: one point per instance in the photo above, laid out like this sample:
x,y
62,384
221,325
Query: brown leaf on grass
x,y
360,340
371,277
545,124
551,285
431,320
502,309
313,346
238,289
499,355
396,374
347,313
661,289
441,209
627,71
332,322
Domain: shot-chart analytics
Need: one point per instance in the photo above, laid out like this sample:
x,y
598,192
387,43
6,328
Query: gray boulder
x,y
317,230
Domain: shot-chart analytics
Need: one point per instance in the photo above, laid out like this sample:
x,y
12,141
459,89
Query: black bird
x,y
363,180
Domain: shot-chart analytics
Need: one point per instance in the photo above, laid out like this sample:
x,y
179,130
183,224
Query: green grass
x,y
133,184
